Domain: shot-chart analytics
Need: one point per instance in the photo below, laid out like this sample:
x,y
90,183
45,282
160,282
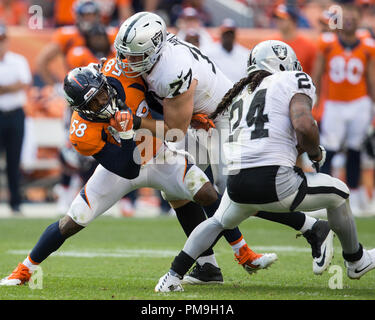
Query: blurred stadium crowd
x,y
74,33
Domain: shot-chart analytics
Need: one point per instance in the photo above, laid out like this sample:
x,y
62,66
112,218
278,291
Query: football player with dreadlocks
x,y
263,172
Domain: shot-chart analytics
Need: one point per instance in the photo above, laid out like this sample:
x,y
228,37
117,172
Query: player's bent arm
x,y
178,110
158,128
45,57
123,161
13,87
305,126
317,73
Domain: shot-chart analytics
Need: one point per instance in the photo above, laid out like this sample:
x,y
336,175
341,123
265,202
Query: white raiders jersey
x,y
181,62
261,132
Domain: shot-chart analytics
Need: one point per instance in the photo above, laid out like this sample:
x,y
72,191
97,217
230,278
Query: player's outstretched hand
x,y
201,121
123,123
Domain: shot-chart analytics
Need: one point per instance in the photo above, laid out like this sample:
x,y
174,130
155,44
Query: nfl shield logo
x,y
280,51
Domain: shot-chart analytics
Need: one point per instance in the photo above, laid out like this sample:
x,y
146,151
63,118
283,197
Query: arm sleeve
x,y
123,161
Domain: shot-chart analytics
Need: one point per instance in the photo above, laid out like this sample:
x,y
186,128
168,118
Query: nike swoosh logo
x,y
74,144
321,262
360,270
180,75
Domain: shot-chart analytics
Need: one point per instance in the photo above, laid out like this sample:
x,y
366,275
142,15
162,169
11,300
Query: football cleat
x,y
169,283
205,274
19,276
357,269
320,238
252,262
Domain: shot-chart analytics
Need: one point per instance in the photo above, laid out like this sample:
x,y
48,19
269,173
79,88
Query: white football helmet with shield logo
x,y
139,42
273,56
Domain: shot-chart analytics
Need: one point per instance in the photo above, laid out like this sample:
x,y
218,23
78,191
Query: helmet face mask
x,y
88,93
101,105
273,56
134,64
139,42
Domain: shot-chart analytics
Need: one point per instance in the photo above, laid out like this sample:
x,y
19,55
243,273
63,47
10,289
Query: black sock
x,y
294,220
189,216
50,241
353,168
211,209
352,257
182,263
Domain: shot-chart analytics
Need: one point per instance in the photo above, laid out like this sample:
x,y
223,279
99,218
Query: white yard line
x,y
150,253
126,253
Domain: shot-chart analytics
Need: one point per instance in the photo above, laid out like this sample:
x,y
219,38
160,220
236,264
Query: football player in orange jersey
x,y
64,38
98,46
73,164
349,62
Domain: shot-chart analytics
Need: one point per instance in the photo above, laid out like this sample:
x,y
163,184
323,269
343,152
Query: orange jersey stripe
x,y
87,199
33,262
237,241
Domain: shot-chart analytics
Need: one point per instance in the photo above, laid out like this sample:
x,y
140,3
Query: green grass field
x,y
124,258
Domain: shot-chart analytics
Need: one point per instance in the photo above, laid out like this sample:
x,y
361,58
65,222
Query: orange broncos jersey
x,y
135,99
68,37
82,56
346,68
87,136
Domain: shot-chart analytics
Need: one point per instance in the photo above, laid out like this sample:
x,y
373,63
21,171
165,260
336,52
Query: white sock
x,y
236,247
309,222
210,259
27,262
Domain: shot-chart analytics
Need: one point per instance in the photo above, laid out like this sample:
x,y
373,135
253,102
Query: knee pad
x,y
80,212
228,223
341,186
194,180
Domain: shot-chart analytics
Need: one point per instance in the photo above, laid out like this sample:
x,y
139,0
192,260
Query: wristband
x,y
312,157
125,135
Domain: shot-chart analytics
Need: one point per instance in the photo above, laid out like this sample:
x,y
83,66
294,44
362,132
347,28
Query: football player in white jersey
x,y
271,123
190,86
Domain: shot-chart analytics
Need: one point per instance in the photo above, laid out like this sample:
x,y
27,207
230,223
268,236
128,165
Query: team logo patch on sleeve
x,y
280,51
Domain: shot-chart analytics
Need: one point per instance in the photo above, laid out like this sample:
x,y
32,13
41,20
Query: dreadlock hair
x,y
253,80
